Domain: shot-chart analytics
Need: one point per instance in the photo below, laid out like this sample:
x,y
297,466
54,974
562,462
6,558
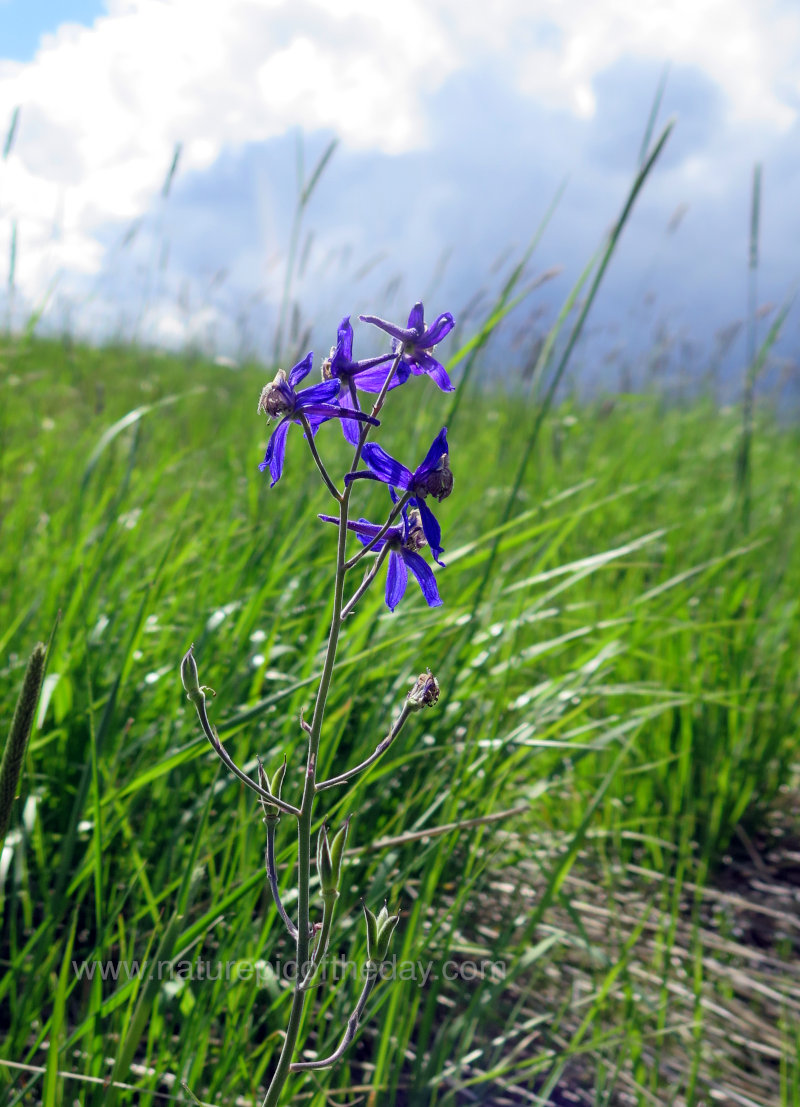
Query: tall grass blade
x,y
11,133
748,400
17,741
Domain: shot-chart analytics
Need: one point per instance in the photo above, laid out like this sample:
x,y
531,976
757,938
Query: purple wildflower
x,y
416,341
279,400
432,478
368,374
403,542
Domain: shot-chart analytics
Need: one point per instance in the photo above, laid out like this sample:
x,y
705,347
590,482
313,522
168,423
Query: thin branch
x,y
380,749
437,831
227,760
323,941
350,1033
398,507
366,582
334,491
376,407
272,876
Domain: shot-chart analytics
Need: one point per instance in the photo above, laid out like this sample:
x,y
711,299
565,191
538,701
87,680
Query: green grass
x,y
618,663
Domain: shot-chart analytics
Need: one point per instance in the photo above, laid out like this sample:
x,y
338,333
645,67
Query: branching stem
x,y
380,749
218,748
350,1032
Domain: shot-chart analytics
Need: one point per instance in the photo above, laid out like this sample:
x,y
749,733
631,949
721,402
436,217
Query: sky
x,y
454,133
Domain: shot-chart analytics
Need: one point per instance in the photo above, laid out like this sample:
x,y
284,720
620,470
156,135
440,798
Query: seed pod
x,y
385,932
372,933
324,863
337,853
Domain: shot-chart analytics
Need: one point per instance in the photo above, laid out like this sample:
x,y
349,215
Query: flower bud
x,y
380,929
190,676
425,692
271,812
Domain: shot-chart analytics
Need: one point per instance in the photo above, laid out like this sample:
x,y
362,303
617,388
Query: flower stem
x,y
272,876
199,701
334,491
323,941
366,582
380,749
350,1032
398,507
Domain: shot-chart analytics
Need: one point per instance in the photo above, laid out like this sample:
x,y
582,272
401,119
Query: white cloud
x,y
102,107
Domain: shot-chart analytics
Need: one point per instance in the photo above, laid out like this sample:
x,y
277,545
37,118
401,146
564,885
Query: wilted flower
x,y
425,692
403,542
279,400
418,341
432,478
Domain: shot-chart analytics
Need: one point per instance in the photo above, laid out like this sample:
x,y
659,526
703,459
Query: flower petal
x,y
391,328
440,329
433,456
396,580
349,401
385,467
333,411
301,370
364,530
344,344
424,574
431,528
372,380
321,393
435,370
276,451
416,320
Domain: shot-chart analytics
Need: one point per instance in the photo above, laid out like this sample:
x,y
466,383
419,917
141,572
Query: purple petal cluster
x,y
431,478
416,342
279,400
403,542
369,374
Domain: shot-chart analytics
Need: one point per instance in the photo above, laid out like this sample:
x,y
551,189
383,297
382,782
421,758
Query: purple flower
x,y
368,375
417,342
403,542
432,478
279,400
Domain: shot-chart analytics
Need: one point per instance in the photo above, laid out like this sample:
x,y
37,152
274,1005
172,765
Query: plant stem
x,y
398,507
323,941
226,759
284,1067
349,1034
281,1073
366,582
272,876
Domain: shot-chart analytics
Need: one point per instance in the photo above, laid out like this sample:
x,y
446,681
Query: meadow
x,y
600,813
592,839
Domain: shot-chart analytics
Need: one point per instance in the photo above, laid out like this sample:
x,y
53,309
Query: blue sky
x,y
454,135
24,22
